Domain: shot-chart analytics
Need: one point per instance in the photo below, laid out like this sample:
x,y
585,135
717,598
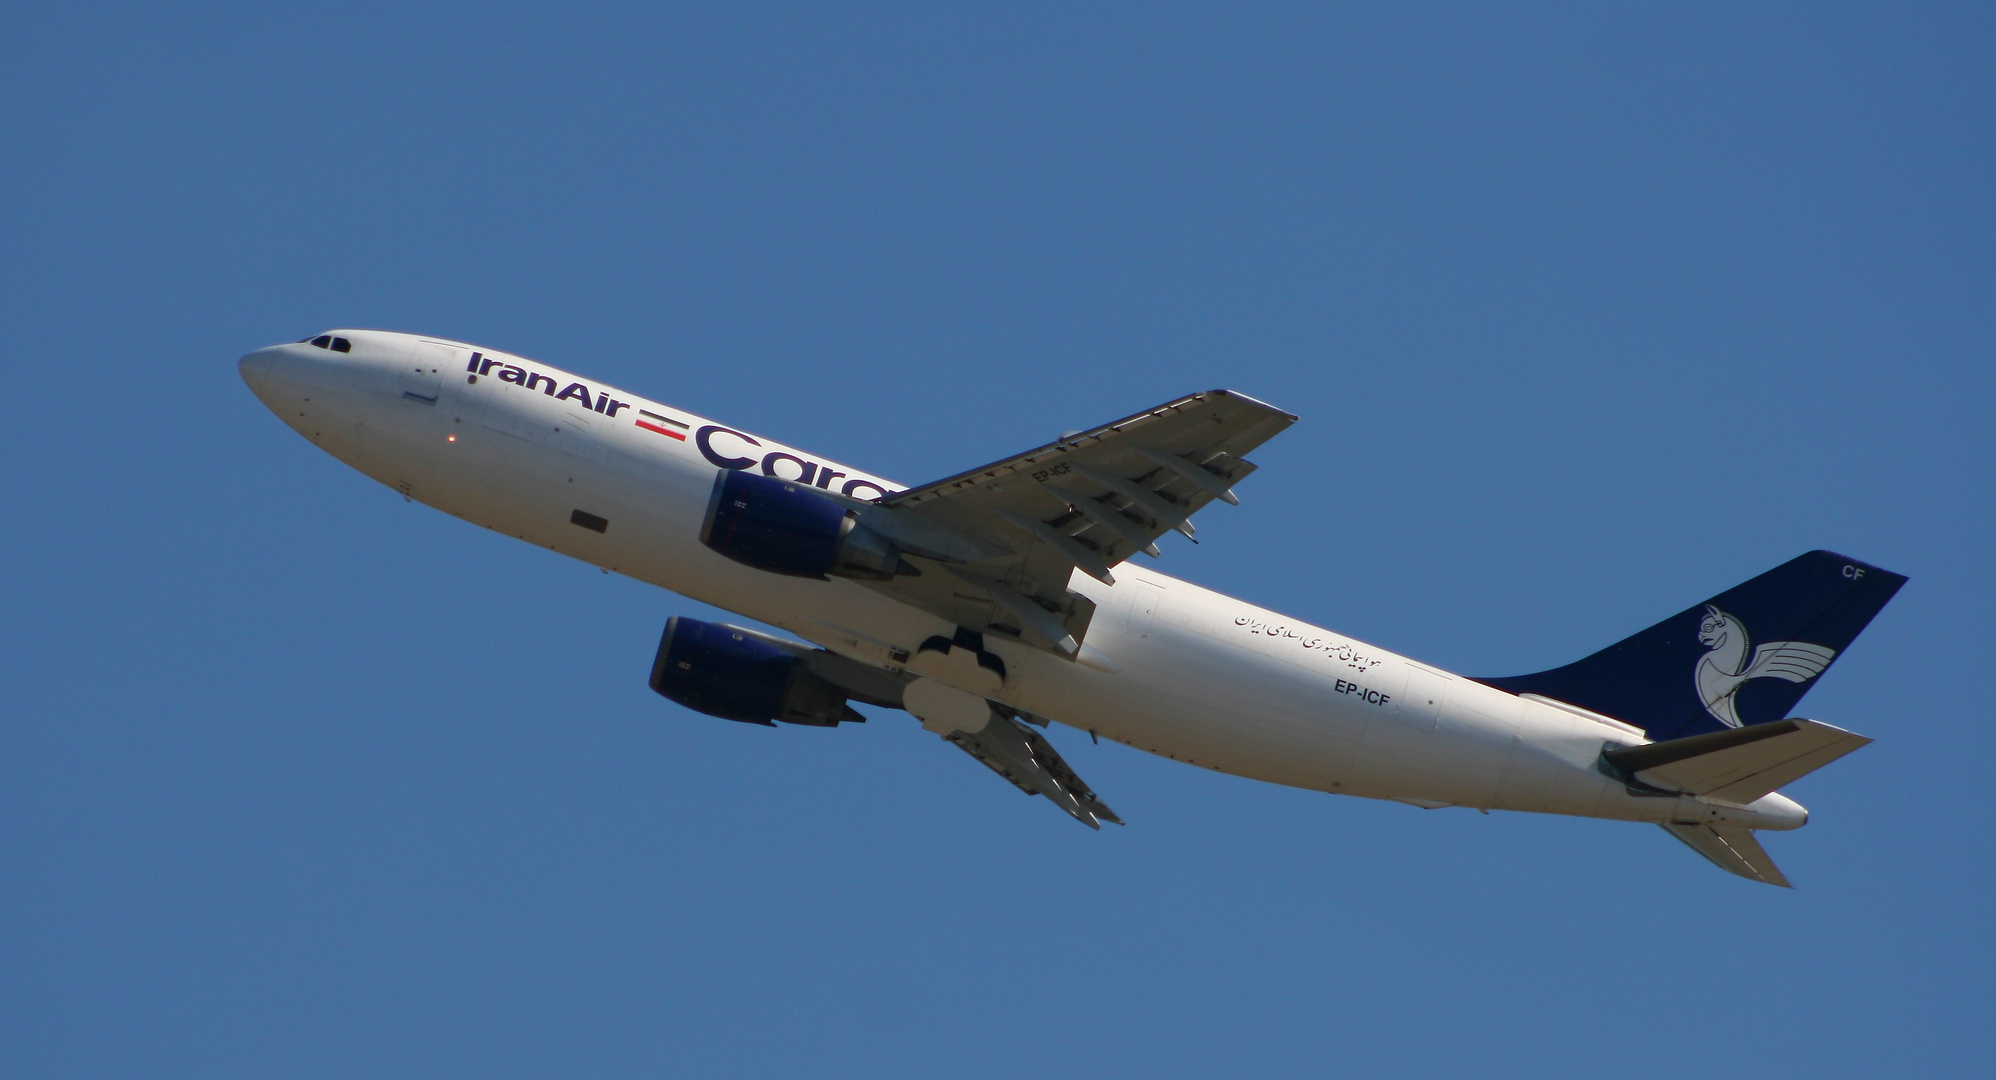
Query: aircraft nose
x,y
257,368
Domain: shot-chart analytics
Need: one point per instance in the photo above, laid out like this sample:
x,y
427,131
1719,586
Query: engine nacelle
x,y
789,528
739,675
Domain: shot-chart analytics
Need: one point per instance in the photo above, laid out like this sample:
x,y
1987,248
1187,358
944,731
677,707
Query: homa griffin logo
x,y
781,464
1725,667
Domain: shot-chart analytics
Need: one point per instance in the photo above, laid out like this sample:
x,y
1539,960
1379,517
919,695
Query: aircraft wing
x,y
996,545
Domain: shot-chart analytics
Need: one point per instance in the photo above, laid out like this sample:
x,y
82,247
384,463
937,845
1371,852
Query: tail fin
x,y
1746,656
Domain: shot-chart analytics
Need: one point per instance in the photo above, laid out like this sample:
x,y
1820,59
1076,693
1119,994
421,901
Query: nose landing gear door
x,y
423,373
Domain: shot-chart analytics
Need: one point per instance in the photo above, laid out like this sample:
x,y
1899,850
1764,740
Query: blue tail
x,y
1746,656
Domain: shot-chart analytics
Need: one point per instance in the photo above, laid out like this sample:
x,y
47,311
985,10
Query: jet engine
x,y
738,674
789,528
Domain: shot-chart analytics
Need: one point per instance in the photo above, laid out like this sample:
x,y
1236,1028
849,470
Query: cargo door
x,y
422,376
1474,741
531,413
1421,701
1398,751
487,401
1144,602
572,428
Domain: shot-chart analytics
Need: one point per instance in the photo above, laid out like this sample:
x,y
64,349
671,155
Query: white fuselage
x,y
1190,674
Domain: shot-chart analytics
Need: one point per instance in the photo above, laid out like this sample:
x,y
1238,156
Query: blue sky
x,y
1590,312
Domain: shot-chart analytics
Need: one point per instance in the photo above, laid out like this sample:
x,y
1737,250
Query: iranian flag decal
x,y
662,425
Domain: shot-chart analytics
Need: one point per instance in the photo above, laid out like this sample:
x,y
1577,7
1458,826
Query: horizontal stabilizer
x,y
1737,765
1732,850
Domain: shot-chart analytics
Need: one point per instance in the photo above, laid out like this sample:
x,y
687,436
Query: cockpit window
x,y
323,341
341,344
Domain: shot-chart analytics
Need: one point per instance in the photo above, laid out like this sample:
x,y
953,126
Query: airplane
x,y
995,602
